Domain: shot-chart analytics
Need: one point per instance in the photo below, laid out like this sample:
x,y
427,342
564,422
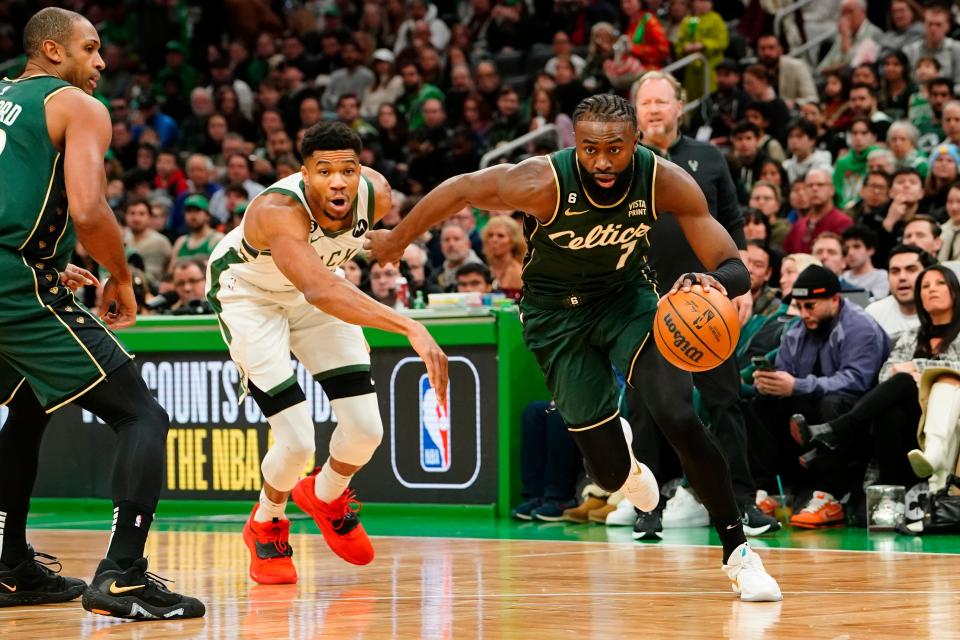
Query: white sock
x,y
269,509
328,485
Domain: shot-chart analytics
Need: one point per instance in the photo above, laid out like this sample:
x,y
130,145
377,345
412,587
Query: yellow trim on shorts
x,y
103,374
81,393
105,327
46,198
633,361
596,424
15,389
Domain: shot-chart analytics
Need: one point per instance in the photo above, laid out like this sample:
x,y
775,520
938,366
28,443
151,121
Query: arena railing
x,y
507,148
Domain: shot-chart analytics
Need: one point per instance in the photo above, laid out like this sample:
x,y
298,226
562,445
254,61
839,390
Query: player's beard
x,y
607,196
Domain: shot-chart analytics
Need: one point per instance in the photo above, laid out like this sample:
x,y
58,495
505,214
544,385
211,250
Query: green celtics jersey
x,y
586,248
33,196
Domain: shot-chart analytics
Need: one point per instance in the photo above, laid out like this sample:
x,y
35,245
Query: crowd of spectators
x,y
845,157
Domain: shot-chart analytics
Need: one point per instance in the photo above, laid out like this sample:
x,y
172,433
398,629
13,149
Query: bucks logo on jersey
x,y
586,247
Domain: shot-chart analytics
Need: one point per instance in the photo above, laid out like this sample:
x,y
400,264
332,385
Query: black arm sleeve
x,y
733,275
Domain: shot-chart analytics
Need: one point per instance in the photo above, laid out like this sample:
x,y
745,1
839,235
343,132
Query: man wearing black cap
x,y
824,364
726,106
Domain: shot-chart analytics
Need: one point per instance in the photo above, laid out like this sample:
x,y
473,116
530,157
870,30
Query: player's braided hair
x,y
51,23
605,107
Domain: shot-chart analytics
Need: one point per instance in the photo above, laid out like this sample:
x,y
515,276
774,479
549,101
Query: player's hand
x,y
119,306
381,245
435,359
74,277
687,280
744,306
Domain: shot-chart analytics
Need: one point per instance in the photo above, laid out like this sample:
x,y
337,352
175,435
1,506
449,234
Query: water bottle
x,y
402,293
418,301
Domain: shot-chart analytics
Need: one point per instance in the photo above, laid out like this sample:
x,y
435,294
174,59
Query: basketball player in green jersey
x,y
53,351
589,300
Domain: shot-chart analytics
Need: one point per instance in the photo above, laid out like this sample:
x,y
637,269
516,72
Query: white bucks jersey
x,y
257,266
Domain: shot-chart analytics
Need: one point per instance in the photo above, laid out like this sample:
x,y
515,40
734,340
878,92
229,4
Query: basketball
x,y
697,330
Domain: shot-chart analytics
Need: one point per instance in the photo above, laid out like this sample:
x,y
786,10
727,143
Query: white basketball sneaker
x,y
684,510
749,579
623,516
641,487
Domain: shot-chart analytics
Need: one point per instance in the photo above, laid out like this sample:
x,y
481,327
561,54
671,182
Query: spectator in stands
x,y
924,232
919,383
544,110
759,114
898,311
200,175
895,86
871,209
386,87
279,144
859,246
310,112
928,117
859,38
549,464
201,237
824,364
828,249
603,36
757,83
487,80
756,226
383,283
356,271
644,36
951,122
944,169
152,246
392,130
227,104
348,112
822,215
792,76
727,104
418,269
169,177
193,127
509,122
766,198
836,100
474,277
905,25
461,85
950,230
902,140
851,169
562,49
801,142
935,43
352,78
746,160
759,263
906,192
504,248
165,127
866,74
421,10
704,32
238,172
455,245
189,282
216,131
415,93
430,160
434,117
863,103
177,66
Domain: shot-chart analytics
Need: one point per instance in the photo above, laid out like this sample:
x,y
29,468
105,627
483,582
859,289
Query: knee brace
x,y
359,429
293,436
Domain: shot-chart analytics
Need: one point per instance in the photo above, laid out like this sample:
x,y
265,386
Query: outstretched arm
x,y
285,229
677,193
528,187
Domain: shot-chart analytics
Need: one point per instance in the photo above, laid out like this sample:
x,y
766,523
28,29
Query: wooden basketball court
x,y
440,588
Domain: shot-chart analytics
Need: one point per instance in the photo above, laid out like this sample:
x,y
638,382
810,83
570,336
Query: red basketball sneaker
x,y
270,550
337,521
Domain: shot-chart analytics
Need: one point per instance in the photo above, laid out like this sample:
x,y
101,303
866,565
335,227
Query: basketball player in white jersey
x,y
275,285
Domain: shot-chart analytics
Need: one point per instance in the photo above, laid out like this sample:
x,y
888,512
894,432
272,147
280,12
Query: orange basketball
x,y
697,330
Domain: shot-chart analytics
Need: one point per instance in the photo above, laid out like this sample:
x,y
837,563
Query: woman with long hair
x,y
393,133
477,117
545,110
836,101
918,398
503,249
227,103
895,85
950,230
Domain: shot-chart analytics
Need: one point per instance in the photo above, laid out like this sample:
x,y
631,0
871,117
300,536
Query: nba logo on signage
x,y
434,428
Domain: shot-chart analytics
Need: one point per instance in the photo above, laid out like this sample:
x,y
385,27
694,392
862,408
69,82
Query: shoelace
x,y
815,504
278,541
340,508
157,581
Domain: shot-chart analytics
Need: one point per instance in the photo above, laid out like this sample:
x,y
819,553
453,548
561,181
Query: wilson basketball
x,y
697,330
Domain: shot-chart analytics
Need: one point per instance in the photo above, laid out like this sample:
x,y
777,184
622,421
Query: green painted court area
x,y
467,522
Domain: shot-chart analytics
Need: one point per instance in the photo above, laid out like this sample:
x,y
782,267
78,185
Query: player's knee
x,y
359,430
611,475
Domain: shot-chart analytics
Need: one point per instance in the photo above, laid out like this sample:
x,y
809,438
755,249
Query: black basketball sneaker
x,y
136,593
34,582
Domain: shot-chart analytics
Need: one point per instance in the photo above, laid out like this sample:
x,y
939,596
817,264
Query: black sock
x,y
13,527
132,523
731,536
